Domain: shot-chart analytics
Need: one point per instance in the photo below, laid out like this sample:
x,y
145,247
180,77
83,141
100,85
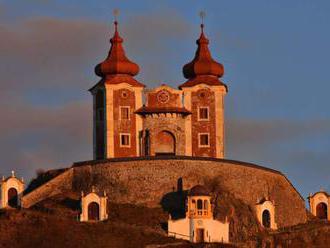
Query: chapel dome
x,y
198,190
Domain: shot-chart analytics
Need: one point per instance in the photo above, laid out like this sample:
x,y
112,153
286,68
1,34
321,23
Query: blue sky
x,y
275,54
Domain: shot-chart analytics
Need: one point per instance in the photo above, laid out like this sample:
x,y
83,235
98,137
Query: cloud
x,y
260,132
45,137
154,40
297,148
46,52
53,58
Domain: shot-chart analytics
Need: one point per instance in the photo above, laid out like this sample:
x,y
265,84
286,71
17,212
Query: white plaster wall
x,y
217,231
179,229
214,230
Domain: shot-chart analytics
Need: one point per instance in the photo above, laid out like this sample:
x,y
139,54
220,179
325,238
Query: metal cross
x,y
202,15
116,13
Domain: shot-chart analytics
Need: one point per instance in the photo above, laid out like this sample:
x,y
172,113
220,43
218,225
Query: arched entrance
x,y
165,143
322,210
93,211
12,198
266,218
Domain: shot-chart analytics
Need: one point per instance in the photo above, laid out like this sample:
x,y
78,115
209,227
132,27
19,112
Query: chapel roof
x,y
319,192
158,110
198,190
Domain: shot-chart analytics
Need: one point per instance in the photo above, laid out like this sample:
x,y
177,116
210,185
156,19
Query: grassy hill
x,y
54,223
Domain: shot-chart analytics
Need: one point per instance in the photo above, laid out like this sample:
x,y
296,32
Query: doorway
x,y
164,144
266,218
13,198
322,210
200,235
93,211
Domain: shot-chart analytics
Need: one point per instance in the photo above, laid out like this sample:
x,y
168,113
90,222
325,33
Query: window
x,y
199,207
203,113
204,140
125,140
124,113
193,203
199,204
205,205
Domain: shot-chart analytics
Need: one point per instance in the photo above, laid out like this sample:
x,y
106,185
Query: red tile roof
x,y
157,110
118,79
203,79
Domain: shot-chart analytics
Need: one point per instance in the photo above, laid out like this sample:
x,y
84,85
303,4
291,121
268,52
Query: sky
x,y
275,54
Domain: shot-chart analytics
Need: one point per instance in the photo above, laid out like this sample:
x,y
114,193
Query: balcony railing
x,y
198,212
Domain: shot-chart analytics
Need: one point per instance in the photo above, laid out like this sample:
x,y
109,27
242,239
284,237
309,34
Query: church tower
x,y
204,98
115,99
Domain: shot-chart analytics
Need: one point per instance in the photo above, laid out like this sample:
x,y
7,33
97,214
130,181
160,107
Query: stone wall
x,y
153,182
57,185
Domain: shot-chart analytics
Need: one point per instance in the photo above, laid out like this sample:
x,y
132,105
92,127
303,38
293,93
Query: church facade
x,y
188,121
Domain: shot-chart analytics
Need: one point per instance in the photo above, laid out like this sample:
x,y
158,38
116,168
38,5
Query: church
x,y
188,121
164,148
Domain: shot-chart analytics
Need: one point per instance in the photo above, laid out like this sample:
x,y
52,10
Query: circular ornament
x,y
200,222
124,94
163,96
203,94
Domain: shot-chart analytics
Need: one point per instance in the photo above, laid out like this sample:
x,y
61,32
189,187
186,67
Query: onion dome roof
x,y
203,63
116,62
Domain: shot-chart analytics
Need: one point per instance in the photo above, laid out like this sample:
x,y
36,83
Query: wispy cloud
x,y
57,56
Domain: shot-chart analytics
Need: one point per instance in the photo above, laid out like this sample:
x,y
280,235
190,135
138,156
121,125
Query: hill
x,y
54,223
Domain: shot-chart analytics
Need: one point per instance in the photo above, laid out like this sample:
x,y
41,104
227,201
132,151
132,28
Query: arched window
x,y
193,203
266,218
93,211
199,207
12,197
322,210
206,204
199,204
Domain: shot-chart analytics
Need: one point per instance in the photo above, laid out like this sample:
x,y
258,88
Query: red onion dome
x,y
116,62
203,63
